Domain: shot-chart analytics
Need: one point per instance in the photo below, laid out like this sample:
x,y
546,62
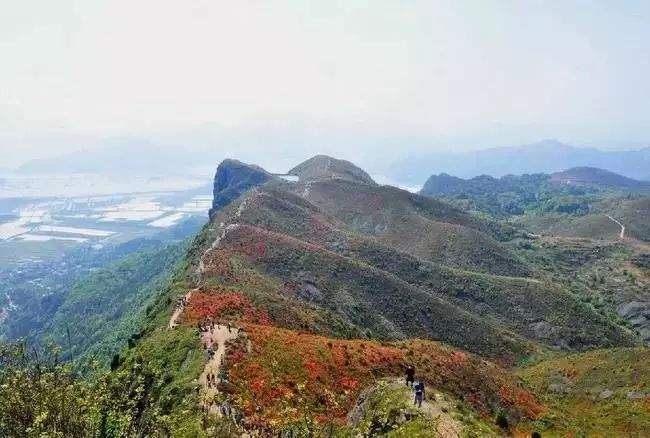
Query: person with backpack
x,y
410,375
418,389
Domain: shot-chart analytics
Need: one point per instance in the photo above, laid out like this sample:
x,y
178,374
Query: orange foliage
x,y
222,305
217,263
290,374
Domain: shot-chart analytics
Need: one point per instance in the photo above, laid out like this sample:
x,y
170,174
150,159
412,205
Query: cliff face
x,y
232,179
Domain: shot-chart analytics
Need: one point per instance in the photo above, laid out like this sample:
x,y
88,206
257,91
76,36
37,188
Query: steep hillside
x,y
609,276
286,375
278,380
70,300
115,296
295,300
599,393
536,310
299,305
411,223
364,297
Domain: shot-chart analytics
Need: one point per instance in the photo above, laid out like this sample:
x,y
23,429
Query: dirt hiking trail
x,y
622,234
173,321
436,407
215,338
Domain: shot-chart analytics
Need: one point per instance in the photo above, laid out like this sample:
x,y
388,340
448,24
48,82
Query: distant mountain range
x,y
445,184
126,156
138,156
600,177
547,156
578,202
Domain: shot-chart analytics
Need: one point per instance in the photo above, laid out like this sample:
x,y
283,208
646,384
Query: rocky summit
x,y
232,179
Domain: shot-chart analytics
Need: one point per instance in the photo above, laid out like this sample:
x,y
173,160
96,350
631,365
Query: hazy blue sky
x,y
346,74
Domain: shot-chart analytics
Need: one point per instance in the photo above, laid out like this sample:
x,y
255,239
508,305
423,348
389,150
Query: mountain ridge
x,y
445,184
597,176
547,156
333,286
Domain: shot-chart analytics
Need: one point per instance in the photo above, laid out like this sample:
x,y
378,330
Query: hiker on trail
x,y
419,393
410,375
226,410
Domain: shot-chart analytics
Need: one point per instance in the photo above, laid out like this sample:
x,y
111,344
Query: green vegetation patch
x,y
598,393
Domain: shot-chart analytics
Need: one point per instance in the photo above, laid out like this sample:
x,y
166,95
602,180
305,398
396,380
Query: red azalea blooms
x,y
222,305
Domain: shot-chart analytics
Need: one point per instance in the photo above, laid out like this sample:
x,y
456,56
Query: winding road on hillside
x,y
622,235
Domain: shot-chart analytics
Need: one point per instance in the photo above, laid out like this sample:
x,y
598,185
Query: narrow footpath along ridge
x,y
173,321
439,409
214,339
436,406
200,269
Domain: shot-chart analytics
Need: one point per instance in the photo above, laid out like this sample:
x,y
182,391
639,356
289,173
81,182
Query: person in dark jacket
x,y
410,375
418,389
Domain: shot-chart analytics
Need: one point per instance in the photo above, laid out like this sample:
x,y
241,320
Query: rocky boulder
x,y
638,314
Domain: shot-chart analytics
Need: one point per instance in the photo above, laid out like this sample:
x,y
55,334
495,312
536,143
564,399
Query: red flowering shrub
x,y
222,305
289,375
217,263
